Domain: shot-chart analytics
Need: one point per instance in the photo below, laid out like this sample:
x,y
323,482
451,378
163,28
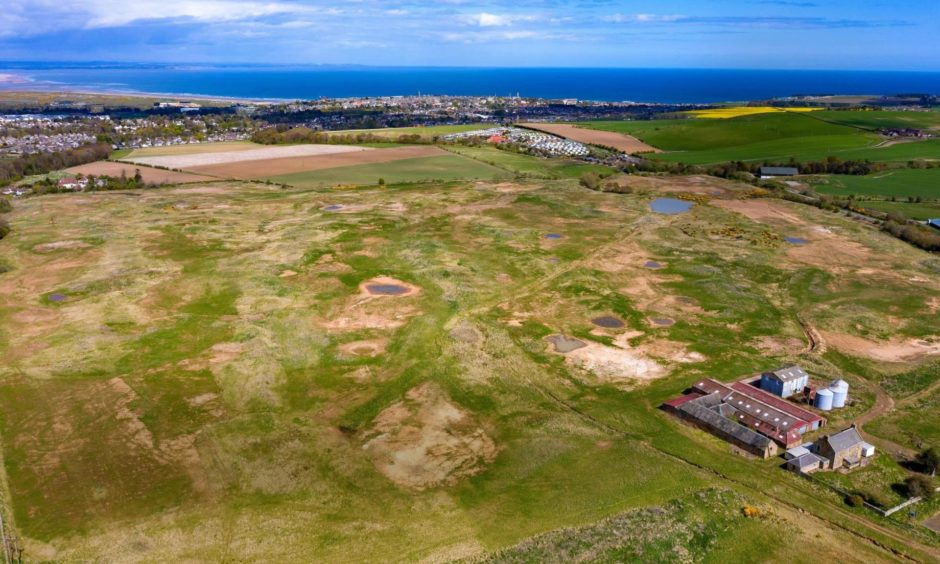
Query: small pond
x,y
553,236
670,206
663,321
795,240
386,289
565,344
57,298
334,207
607,322
652,264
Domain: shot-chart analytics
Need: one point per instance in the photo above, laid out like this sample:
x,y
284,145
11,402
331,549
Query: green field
x,y
188,149
202,373
424,169
917,211
427,132
528,166
900,183
778,137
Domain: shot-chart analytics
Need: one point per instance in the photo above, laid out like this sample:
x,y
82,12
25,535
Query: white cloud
x,y
642,18
485,19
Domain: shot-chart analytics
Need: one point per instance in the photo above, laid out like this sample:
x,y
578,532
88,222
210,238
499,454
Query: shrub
x,y
919,486
590,180
855,500
875,498
5,205
750,512
930,460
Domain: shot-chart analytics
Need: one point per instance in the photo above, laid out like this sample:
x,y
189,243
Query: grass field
x,y
779,136
189,149
524,165
443,168
427,132
203,372
920,212
898,183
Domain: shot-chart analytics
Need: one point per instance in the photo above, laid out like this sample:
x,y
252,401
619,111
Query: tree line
x,y
40,163
282,135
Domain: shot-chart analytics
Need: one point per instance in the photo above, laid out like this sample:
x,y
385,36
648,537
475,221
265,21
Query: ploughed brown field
x,y
150,175
619,141
248,170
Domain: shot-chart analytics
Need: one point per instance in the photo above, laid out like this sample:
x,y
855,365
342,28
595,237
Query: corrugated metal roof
x,y
779,171
779,403
844,440
789,373
696,409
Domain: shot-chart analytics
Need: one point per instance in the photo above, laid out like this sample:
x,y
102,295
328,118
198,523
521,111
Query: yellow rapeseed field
x,y
733,112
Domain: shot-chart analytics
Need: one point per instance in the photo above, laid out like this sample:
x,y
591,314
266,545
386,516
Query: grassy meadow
x,y
203,373
780,136
424,169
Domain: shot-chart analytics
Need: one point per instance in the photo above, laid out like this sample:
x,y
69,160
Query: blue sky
x,y
839,34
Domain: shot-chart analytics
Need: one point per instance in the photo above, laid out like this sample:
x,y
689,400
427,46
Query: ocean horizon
x,y
259,82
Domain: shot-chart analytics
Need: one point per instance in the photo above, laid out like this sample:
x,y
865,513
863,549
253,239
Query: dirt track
x,y
150,175
292,165
198,159
619,141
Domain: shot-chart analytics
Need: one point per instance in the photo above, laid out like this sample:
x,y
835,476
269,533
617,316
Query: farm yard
x,y
457,369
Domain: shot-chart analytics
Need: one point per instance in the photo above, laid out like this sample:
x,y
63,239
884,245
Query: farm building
x,y
710,414
753,409
784,382
844,449
806,463
775,171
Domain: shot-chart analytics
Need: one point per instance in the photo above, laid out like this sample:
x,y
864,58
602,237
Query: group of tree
x,y
40,163
284,135
5,207
95,184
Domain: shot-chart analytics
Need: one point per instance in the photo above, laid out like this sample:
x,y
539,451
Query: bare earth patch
x,y
895,350
366,348
619,141
150,175
426,441
254,154
60,246
705,185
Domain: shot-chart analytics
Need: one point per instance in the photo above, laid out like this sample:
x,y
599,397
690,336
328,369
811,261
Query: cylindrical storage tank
x,y
824,399
840,393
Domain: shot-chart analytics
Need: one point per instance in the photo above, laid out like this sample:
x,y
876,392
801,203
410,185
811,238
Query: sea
x,y
668,86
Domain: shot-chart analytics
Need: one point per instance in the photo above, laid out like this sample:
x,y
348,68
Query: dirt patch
x,y
618,141
895,350
563,344
150,175
369,310
275,167
365,348
71,244
933,523
614,364
426,441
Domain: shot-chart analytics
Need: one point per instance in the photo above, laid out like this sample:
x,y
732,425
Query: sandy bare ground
x,y
426,440
265,153
249,170
695,184
150,175
619,141
895,350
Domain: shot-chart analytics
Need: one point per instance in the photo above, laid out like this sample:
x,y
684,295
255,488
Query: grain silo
x,y
824,399
840,393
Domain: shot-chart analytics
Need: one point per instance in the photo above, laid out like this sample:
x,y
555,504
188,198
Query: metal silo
x,y
840,393
824,399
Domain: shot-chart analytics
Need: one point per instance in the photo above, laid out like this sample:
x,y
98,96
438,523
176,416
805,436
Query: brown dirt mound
x,y
150,175
895,350
291,165
619,141
426,441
